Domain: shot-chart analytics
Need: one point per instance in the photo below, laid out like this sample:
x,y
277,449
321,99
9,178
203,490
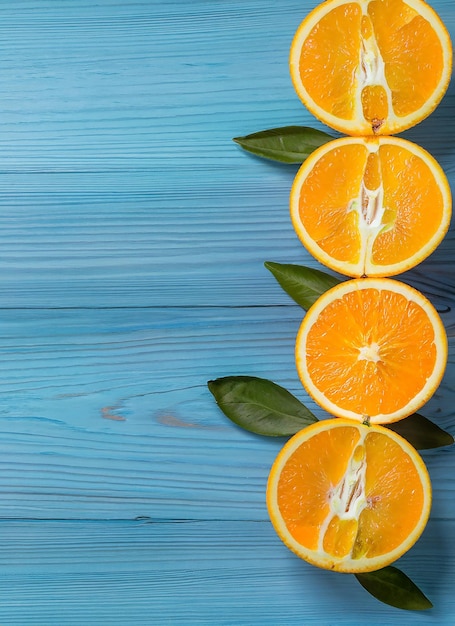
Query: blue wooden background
x,y
133,233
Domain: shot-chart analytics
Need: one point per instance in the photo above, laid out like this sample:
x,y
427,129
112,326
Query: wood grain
x,y
141,572
106,413
118,168
133,233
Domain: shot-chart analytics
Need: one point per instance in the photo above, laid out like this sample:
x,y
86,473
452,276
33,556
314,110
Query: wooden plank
x,y
109,248
104,248
120,182
137,572
106,413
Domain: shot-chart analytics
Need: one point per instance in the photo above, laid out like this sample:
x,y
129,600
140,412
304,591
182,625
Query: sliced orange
x,y
371,66
348,497
372,350
370,206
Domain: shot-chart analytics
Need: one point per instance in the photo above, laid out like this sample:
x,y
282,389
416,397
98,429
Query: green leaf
x,y
391,586
303,284
290,144
421,432
260,406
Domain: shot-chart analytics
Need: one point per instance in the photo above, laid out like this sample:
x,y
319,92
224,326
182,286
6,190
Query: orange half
x,y
371,206
348,497
373,350
371,66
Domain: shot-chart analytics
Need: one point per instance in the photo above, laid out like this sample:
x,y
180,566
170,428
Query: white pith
x,y
348,498
373,71
370,352
369,205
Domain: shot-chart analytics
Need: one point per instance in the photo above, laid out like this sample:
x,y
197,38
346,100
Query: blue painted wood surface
x,y
133,234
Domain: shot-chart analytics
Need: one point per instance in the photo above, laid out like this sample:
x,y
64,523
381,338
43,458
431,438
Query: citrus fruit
x,y
348,497
372,350
372,206
371,66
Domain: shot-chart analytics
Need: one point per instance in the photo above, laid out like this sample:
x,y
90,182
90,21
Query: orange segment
x,y
326,207
336,93
416,201
375,106
386,461
407,42
375,67
371,349
328,454
370,206
348,497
